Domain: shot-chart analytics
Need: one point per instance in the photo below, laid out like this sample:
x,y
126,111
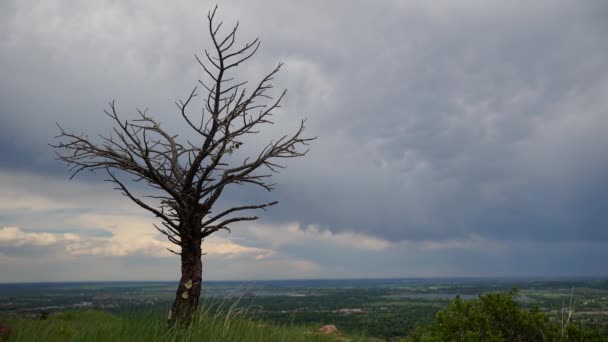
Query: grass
x,y
89,325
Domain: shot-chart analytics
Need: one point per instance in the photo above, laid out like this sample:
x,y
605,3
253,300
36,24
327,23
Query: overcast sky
x,y
455,138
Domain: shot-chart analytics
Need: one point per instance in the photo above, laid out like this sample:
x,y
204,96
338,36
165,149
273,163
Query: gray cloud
x,y
436,121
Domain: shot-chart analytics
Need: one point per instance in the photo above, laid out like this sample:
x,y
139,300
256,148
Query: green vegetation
x,y
89,325
389,309
492,317
498,317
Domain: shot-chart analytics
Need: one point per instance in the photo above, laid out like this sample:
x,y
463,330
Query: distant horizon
x,y
586,277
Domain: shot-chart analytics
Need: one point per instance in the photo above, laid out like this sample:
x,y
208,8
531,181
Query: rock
x,y
329,329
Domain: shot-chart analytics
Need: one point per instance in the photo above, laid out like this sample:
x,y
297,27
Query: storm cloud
x,y
460,136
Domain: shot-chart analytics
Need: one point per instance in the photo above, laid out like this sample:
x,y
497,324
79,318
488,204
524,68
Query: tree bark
x,y
189,288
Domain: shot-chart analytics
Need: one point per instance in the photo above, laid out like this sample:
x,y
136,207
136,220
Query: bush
x,y
497,317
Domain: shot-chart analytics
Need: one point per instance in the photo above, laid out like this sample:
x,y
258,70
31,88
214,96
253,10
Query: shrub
x,y
497,317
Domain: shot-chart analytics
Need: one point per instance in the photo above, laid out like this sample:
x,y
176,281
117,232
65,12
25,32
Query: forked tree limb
x,y
188,177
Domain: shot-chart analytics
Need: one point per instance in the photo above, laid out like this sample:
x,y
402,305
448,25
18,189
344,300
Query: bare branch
x,y
139,202
231,210
224,225
186,178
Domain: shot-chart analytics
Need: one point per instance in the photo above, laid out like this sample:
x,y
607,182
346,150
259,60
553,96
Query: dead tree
x,y
188,177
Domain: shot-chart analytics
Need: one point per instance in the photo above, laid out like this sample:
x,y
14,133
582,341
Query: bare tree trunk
x,y
189,288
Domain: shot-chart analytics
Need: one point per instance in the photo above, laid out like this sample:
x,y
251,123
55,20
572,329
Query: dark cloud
x,y
435,121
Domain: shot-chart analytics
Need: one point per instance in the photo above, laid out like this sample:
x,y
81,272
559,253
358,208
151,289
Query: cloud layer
x,y
461,136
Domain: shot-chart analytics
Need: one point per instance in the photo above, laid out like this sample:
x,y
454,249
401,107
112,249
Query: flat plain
x,y
383,308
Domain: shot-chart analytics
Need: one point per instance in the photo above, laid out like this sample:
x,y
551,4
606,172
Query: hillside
x,y
89,325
